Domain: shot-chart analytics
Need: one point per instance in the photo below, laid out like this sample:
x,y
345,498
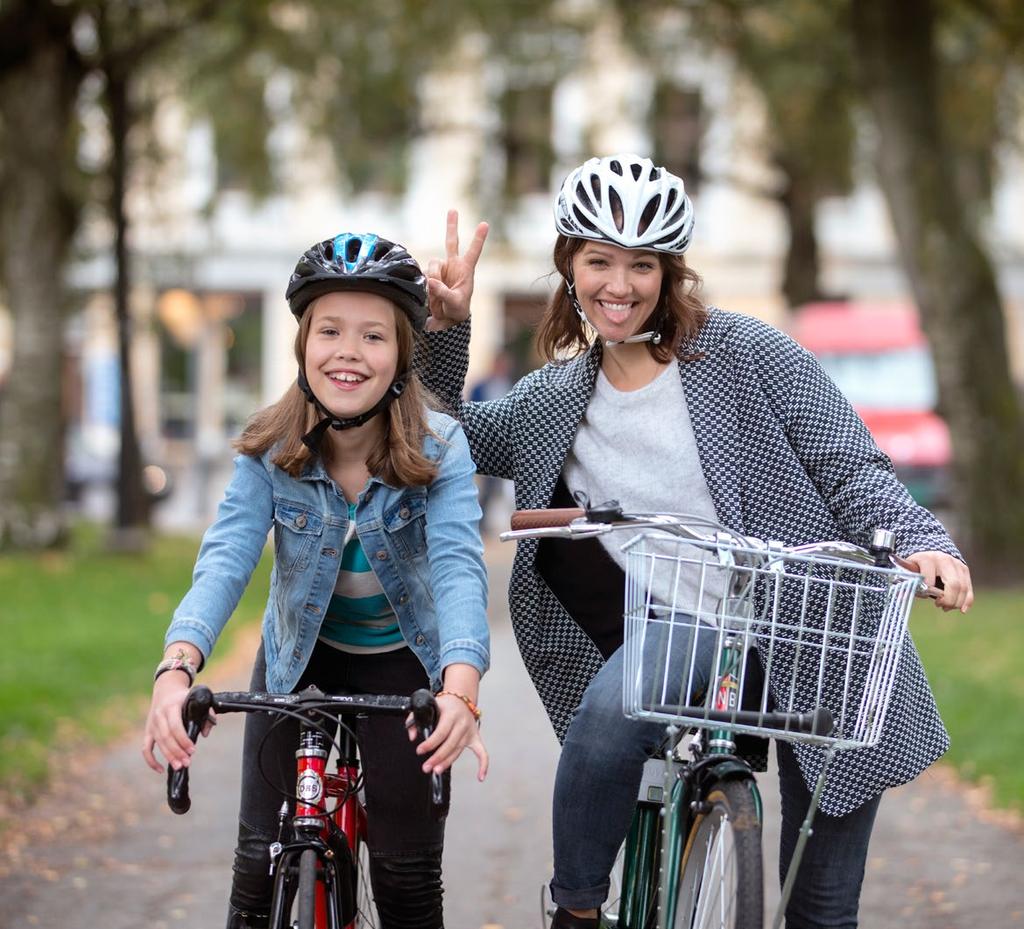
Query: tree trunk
x,y
36,225
802,266
132,502
951,277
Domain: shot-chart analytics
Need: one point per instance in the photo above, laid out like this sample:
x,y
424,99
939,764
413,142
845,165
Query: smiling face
x,y
618,288
351,355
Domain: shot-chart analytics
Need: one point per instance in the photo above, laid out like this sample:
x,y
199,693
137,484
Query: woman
x,y
742,426
349,463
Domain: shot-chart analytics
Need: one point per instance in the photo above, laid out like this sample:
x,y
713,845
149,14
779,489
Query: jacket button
x,y
329,552
382,555
300,520
404,598
421,639
403,513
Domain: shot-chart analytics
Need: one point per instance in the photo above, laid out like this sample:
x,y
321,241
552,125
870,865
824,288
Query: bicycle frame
x,y
664,816
316,826
335,835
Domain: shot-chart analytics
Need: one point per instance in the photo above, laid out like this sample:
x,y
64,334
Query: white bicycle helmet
x,y
628,201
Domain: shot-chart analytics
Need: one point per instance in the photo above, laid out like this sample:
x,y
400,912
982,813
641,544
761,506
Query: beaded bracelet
x,y
471,706
179,661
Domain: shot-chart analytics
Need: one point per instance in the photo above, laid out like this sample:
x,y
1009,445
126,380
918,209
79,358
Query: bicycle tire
x,y
366,908
720,884
305,897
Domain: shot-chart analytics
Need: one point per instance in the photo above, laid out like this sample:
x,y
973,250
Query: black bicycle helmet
x,y
354,261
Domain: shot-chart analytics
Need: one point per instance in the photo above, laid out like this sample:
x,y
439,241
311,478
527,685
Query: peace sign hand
x,y
450,282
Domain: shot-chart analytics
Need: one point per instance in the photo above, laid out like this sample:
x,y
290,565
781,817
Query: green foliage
x,y
83,630
973,664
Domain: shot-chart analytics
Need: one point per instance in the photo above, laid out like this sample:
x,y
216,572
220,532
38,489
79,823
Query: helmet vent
x,y
582,219
584,199
618,214
595,185
616,167
636,169
650,211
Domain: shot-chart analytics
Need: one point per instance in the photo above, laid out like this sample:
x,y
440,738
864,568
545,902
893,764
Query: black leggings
x,y
405,842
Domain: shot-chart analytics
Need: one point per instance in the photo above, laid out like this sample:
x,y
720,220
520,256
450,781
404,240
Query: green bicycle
x,y
827,622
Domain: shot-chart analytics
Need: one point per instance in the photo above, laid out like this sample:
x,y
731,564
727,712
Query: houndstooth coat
x,y
784,456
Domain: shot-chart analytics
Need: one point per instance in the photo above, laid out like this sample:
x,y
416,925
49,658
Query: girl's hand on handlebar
x,y
954,575
456,730
450,282
164,728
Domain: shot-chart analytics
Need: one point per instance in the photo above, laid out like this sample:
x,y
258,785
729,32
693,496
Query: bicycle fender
x,y
728,768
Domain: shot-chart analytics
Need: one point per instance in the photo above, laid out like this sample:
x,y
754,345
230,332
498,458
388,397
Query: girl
x,y
378,583
668,405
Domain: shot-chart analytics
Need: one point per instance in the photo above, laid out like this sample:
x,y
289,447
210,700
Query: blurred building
x,y
214,335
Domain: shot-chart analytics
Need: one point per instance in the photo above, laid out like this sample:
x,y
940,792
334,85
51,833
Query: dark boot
x,y
407,890
563,919
239,919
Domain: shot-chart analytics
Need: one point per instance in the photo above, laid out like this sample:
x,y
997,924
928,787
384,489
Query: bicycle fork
x,y
684,787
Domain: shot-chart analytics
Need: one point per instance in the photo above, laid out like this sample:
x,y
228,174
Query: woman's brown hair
x,y
398,458
678,317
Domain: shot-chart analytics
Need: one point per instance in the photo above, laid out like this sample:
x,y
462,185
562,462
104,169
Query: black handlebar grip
x,y
424,711
819,722
193,715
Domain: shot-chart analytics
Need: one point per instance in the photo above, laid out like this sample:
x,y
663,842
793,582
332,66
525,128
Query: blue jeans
x,y
827,889
596,786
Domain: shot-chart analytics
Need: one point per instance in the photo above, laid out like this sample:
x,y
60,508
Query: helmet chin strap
x,y
653,336
314,437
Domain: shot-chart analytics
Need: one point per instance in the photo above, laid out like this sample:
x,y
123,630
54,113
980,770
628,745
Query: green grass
x,y
974,664
82,631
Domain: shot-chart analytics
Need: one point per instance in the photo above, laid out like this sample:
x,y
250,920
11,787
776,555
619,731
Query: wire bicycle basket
x,y
821,632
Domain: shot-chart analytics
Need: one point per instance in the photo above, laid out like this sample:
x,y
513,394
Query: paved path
x,y
110,854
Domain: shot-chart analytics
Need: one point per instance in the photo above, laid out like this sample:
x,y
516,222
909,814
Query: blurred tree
x,y
40,74
946,260
790,54
356,84
937,77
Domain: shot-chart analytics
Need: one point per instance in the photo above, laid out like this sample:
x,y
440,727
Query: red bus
x,y
878,356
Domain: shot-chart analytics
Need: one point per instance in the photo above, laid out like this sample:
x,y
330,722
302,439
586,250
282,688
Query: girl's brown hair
x,y
398,458
678,316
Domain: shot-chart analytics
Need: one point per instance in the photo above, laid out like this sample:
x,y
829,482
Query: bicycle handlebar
x,y
579,523
201,700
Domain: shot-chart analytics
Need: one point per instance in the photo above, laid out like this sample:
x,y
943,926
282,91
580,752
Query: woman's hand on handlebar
x,y
450,282
954,575
164,727
456,730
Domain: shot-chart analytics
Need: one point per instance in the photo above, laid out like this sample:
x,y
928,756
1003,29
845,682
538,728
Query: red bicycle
x,y
320,860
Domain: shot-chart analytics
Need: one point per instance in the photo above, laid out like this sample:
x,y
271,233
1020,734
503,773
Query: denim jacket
x,y
423,543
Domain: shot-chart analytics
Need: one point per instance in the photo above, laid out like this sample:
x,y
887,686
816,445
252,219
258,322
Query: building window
x,y
677,119
526,121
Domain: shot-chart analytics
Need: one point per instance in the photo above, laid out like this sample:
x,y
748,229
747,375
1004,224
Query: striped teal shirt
x,y
359,617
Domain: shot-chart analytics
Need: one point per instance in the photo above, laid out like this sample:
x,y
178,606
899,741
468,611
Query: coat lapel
x,y
556,421
710,386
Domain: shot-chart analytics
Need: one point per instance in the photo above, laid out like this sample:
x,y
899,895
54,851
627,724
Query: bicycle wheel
x,y
305,897
720,883
366,909
632,895
294,902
